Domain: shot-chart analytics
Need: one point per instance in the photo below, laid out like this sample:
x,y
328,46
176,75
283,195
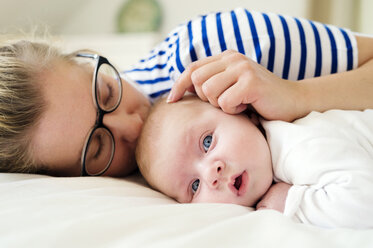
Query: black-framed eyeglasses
x,y
99,147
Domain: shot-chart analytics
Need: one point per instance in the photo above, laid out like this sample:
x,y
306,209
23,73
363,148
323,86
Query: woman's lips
x,y
238,183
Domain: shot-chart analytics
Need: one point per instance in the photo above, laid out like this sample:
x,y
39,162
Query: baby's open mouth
x,y
238,182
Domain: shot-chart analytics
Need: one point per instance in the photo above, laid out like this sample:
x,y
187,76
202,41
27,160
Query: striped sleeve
x,y
292,48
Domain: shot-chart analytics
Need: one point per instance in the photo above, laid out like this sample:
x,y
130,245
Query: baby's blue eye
x,y
207,142
195,186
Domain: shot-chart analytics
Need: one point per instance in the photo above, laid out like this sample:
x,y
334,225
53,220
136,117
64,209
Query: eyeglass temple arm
x,y
87,55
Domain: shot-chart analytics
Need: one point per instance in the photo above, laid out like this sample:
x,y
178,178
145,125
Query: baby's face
x,y
206,155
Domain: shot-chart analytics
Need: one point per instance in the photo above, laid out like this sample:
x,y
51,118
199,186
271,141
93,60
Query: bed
x,y
44,211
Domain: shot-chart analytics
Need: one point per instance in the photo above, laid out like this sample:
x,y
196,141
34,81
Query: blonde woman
x,y
76,115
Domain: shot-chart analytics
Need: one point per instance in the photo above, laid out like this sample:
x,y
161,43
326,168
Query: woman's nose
x,y
124,126
214,173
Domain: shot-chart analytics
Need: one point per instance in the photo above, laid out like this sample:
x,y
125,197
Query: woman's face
x,y
70,113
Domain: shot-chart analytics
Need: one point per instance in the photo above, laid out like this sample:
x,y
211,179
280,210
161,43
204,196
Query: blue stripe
x,y
285,71
205,38
303,50
149,68
333,50
219,26
237,33
272,48
179,65
160,53
153,81
192,52
350,61
318,50
158,93
255,37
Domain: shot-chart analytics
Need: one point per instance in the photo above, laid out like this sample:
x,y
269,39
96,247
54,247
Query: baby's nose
x,y
215,173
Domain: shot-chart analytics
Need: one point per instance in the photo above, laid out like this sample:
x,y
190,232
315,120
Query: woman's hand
x,y
275,197
231,81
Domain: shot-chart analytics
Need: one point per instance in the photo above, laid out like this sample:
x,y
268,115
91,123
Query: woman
x,y
71,114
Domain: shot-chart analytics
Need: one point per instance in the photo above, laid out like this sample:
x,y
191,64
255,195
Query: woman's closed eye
x,y
98,146
95,148
109,94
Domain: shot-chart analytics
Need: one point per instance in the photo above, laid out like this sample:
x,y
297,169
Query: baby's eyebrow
x,y
180,194
189,134
187,137
181,199
187,148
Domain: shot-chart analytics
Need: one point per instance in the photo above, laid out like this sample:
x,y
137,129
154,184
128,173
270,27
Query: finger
x,y
184,82
178,89
191,89
235,99
261,206
206,71
217,84
201,75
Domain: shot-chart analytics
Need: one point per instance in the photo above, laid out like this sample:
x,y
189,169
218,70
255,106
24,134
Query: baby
x,y
194,152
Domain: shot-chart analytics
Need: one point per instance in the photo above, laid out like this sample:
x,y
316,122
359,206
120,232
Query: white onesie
x,y
328,158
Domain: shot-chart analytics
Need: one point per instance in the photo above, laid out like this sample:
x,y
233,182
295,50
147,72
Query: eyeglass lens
x,y
108,87
100,149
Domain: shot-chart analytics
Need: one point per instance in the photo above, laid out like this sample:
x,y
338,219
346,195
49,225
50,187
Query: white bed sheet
x,y
43,211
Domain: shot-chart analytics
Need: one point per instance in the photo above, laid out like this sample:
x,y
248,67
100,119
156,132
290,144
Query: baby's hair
x,y
22,64
148,137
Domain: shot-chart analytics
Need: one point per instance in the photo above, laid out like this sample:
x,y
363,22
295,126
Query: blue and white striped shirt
x,y
292,48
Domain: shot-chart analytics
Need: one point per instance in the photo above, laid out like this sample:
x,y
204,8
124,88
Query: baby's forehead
x,y
179,119
185,120
191,105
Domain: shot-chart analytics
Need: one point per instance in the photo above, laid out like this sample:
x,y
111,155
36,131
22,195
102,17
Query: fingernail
x,y
169,98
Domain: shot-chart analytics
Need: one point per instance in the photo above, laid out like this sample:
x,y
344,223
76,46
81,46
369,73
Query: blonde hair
x,y
22,63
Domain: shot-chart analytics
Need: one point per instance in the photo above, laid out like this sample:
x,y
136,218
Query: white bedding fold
x,y
42,211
